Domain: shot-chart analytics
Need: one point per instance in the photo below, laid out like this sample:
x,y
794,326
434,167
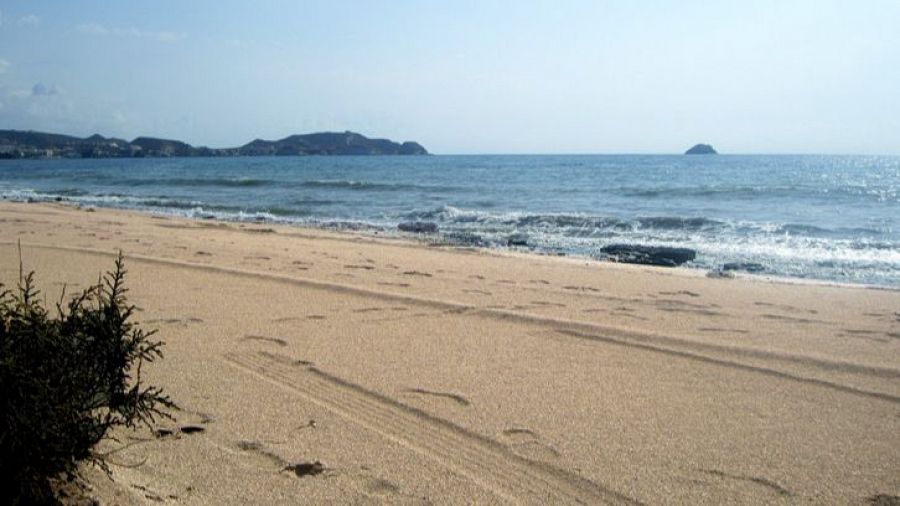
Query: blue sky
x,y
463,77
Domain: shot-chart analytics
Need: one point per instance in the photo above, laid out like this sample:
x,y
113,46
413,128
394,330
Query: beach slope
x,y
423,374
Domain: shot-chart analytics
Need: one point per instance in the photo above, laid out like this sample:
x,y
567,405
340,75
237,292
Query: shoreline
x,y
769,229
459,375
430,240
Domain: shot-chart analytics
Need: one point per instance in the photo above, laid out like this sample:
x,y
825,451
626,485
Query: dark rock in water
x,y
464,239
701,149
648,255
418,227
743,266
517,239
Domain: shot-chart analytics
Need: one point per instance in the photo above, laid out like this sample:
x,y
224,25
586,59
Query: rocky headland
x,y
30,144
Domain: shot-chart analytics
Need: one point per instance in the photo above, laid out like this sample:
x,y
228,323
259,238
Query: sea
x,y
828,218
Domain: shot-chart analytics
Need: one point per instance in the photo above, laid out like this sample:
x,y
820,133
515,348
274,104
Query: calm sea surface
x,y
821,217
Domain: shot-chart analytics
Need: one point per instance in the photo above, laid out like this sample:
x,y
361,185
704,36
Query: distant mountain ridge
x,y
30,144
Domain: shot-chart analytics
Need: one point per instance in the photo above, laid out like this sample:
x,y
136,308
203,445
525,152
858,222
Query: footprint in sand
x,y
526,443
580,288
681,292
757,480
458,399
786,308
266,339
883,500
380,487
174,321
285,319
263,456
722,329
870,335
188,429
792,319
547,303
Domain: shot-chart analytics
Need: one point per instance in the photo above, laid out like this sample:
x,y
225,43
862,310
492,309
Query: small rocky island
x,y
30,144
701,149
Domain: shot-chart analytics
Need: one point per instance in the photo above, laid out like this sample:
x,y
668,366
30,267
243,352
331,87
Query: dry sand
x,y
426,374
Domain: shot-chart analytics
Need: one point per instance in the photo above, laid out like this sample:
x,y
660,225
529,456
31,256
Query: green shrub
x,y
66,381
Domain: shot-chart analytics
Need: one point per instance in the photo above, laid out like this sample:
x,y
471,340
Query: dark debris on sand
x,y
302,469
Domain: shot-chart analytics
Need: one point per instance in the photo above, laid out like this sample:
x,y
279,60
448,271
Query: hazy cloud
x,y
3,66
51,109
99,29
40,89
29,20
92,29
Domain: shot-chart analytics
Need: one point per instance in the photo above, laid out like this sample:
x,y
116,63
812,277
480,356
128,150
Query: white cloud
x,y
160,36
92,28
48,108
168,36
29,20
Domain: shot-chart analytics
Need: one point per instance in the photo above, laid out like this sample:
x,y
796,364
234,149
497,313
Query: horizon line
x,y
430,153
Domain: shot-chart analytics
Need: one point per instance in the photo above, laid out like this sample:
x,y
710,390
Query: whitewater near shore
x,y
422,374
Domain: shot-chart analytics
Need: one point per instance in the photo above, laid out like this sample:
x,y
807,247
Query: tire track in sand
x,y
485,461
772,363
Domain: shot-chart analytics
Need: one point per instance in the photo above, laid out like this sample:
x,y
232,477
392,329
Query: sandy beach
x,y
428,374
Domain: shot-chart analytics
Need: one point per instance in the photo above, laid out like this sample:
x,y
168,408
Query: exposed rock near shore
x,y
648,255
517,239
744,266
418,227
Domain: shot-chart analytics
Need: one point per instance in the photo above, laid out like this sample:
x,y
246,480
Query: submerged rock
x,y
517,239
744,266
701,149
418,227
648,255
464,239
